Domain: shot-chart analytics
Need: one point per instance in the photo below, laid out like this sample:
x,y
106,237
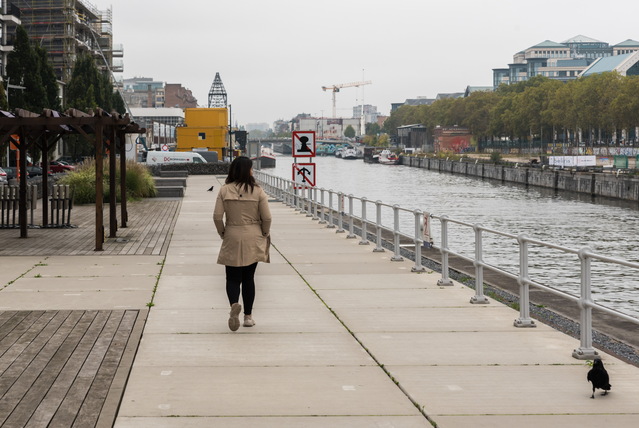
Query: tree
x,y
349,132
383,141
49,81
372,128
23,69
3,99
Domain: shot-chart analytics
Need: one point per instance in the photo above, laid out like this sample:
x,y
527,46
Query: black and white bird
x,y
599,378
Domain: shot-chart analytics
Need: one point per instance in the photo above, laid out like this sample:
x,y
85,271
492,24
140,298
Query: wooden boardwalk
x,y
150,224
65,368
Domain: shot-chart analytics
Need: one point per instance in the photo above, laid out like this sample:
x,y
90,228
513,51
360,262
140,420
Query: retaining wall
x,y
596,184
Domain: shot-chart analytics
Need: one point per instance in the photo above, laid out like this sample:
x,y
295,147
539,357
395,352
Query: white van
x,y
157,158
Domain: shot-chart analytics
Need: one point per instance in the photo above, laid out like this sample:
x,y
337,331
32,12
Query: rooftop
x,y
582,39
548,44
604,64
628,44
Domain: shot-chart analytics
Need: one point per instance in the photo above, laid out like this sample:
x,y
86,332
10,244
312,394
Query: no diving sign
x,y
304,174
303,144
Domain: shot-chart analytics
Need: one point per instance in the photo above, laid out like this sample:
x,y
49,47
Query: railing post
x,y
309,200
315,217
585,351
340,213
398,251
524,288
479,298
418,243
350,235
378,227
364,240
322,218
330,210
445,280
303,199
289,194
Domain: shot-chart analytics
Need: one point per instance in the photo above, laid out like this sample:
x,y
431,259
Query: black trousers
x,y
244,276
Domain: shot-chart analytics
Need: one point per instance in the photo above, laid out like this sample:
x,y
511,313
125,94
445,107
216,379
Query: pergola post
x,y
123,213
22,214
45,180
99,219
113,220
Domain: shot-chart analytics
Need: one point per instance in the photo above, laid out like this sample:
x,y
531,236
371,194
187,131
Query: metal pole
x,y
330,210
350,235
524,289
302,199
378,227
479,298
315,217
418,243
397,250
340,213
364,240
309,198
322,221
444,281
585,351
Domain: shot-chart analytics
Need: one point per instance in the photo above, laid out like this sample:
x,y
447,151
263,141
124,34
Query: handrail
x,y
287,192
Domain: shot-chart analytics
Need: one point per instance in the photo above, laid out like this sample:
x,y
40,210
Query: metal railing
x,y
305,199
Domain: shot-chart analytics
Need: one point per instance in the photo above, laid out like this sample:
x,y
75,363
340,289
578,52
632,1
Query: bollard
x,y
378,227
364,240
397,253
350,235
479,298
445,280
322,218
524,289
585,351
418,243
340,213
330,210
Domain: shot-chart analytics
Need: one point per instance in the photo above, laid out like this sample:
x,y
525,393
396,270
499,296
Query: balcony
x,y
12,16
118,50
118,66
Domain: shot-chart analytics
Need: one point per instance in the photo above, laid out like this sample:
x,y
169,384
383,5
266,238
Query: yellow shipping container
x,y
205,128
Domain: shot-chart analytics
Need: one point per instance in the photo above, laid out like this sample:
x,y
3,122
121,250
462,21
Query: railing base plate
x,y
445,283
479,300
522,323
419,269
585,354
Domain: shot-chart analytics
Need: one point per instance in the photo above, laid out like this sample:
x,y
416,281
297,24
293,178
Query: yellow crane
x,y
336,88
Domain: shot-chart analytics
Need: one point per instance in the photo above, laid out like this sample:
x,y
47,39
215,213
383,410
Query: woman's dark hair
x,y
240,173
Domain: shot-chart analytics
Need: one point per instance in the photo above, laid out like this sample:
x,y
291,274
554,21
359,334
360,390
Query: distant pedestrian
x,y
245,236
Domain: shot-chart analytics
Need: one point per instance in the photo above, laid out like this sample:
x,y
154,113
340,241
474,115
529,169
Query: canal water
x,y
609,227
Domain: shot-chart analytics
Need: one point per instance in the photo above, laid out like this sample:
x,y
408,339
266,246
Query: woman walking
x,y
245,236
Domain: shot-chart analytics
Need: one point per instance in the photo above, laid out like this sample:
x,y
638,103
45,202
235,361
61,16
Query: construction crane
x,y
336,88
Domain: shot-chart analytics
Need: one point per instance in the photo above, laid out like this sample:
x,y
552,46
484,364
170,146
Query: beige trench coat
x,y
245,235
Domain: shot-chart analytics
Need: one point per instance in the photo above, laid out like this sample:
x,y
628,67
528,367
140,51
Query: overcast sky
x,y
274,56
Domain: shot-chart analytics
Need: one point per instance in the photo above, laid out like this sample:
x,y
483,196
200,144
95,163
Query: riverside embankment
x,y
596,184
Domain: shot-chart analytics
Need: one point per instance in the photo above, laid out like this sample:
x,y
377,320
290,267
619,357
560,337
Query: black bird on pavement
x,y
211,189
599,378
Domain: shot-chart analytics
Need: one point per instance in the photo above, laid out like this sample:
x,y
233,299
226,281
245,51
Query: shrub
x,y
495,157
139,182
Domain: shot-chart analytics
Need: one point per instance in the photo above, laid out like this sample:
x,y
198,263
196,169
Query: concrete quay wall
x,y
595,184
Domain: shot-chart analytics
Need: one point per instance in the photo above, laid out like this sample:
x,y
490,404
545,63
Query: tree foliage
x,y
349,132
605,102
23,69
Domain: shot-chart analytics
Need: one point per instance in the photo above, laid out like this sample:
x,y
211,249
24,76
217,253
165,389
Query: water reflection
x,y
573,220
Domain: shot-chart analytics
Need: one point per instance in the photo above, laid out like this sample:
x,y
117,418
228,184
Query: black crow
x,y
599,378
211,189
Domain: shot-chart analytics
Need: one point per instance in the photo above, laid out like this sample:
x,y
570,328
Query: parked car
x,y
36,171
57,167
66,159
3,177
12,172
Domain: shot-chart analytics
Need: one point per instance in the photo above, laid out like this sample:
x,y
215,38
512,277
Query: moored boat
x,y
349,154
267,158
387,157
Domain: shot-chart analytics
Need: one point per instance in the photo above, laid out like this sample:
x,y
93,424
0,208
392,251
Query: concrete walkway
x,y
324,306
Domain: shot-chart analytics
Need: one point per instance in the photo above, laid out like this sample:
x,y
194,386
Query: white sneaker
x,y
234,316
248,321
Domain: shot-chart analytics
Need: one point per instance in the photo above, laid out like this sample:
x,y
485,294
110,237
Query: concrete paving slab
x,y
318,247
203,283
191,259
489,348
87,300
118,266
330,258
128,283
291,391
197,251
206,321
561,389
472,318
373,281
395,268
536,421
252,349
278,422
214,269
216,298
401,298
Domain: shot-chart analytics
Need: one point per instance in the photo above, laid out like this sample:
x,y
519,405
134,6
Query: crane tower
x,y
217,94
336,88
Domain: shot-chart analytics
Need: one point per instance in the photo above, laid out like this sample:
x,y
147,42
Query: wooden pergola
x,y
100,128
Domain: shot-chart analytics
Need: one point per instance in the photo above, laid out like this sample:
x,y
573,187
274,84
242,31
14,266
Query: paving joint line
x,y
22,276
401,388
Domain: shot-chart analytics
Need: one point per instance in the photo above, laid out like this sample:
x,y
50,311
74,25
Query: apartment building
x,y
69,28
9,20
